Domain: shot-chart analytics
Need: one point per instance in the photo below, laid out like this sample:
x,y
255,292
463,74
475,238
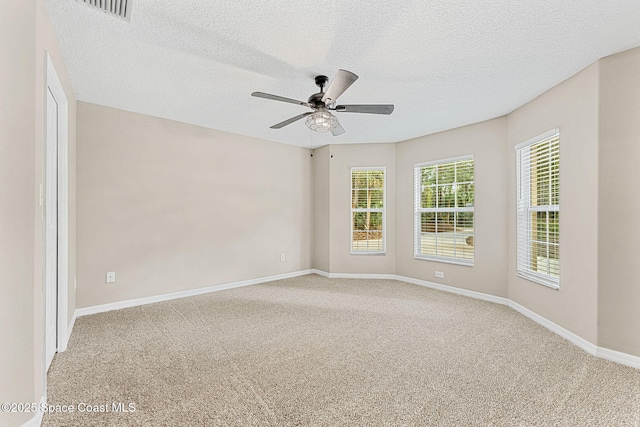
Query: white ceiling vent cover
x,y
117,8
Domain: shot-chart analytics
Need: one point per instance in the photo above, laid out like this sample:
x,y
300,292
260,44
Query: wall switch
x,y
75,283
111,277
440,274
283,257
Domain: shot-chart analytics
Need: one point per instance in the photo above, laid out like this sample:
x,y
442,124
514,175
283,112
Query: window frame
x,y
419,210
383,210
524,210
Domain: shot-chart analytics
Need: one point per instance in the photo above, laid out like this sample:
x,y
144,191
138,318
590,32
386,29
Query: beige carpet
x,y
312,351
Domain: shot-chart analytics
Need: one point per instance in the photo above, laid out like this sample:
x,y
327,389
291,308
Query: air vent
x,y
118,8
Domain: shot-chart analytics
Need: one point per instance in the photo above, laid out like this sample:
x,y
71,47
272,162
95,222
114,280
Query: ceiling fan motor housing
x,y
316,100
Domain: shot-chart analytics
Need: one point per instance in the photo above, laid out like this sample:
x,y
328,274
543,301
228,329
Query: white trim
x,y
553,327
454,290
319,272
451,289
618,357
362,276
85,311
547,135
353,275
36,420
55,86
601,352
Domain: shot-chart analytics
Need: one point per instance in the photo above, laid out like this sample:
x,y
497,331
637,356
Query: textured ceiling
x,y
442,63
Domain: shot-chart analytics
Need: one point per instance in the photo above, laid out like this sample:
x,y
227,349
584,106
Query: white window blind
x,y
444,210
368,210
538,209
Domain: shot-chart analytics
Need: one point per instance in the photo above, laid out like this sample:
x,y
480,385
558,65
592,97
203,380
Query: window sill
x,y
540,280
444,260
367,253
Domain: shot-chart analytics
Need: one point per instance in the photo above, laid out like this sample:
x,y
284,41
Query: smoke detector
x,y
118,8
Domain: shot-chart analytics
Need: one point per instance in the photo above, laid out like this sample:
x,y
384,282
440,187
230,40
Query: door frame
x,y
55,86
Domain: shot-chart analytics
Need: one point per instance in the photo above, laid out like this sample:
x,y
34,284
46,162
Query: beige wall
x,y
343,158
25,34
619,204
572,106
171,207
17,205
486,141
321,208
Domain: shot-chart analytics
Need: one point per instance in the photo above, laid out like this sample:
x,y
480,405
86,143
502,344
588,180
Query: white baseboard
x,y
604,353
619,357
555,328
36,420
85,311
353,275
601,352
319,272
454,290
451,289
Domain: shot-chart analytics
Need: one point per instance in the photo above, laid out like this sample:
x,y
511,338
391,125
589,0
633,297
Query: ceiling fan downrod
x,y
321,82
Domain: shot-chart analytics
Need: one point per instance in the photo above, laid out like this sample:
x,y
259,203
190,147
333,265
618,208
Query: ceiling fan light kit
x,y
321,119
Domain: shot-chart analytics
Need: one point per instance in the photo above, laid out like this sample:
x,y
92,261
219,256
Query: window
x,y
444,198
538,198
367,210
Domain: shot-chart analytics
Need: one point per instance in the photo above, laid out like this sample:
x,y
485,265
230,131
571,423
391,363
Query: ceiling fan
x,y
322,103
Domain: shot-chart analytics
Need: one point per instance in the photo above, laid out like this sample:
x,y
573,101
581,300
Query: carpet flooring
x,y
312,351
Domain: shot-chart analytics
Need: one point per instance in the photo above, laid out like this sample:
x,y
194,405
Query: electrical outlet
x,y
283,257
111,277
440,274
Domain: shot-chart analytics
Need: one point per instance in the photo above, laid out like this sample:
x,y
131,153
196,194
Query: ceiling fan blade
x,y
289,121
279,98
338,130
338,85
368,109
